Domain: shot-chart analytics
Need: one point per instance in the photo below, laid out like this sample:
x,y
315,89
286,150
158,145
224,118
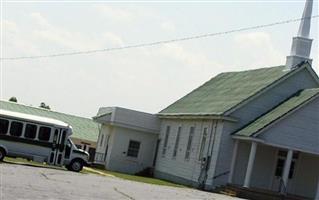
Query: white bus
x,y
39,139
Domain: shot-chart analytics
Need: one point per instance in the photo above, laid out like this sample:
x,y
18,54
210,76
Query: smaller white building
x,y
127,141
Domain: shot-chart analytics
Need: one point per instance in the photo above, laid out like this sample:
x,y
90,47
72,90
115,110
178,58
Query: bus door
x,y
60,152
55,147
58,147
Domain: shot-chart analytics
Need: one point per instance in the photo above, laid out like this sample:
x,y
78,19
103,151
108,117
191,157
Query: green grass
x,y
22,161
87,171
136,178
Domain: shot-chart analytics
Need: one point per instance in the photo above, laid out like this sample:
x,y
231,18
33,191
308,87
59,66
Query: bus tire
x,y
2,154
76,165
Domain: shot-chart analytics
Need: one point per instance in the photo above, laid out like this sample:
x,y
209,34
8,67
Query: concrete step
x,y
255,193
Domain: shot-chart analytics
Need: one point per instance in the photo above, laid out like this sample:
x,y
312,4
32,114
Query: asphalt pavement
x,y
26,182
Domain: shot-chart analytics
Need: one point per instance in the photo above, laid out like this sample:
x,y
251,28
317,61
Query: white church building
x,y
256,130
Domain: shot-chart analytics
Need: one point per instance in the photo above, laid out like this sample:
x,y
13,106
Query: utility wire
x,y
158,42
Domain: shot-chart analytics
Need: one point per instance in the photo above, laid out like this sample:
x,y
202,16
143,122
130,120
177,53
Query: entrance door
x,y
279,169
58,147
55,146
61,150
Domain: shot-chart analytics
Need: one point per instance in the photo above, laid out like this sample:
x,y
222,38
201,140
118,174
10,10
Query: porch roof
x,y
291,104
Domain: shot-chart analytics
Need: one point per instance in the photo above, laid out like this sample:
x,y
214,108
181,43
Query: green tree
x,y
43,105
13,99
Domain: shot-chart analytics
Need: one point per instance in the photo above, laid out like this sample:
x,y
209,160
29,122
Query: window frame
x,y
17,122
133,152
165,144
39,133
203,143
189,142
102,140
7,128
175,150
25,129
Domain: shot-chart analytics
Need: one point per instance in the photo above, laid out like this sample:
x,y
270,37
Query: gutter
x,y
196,116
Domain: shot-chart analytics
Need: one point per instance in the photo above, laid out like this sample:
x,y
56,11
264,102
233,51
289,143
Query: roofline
x,y
272,123
102,115
42,109
115,108
196,116
245,138
138,128
302,66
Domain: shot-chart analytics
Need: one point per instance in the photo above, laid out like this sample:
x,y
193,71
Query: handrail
x,y
221,174
282,188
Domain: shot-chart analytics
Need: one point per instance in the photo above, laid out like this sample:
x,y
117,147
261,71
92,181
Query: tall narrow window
x,y
203,143
177,141
189,143
166,140
102,138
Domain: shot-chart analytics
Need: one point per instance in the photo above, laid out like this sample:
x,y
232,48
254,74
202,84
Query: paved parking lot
x,y
25,182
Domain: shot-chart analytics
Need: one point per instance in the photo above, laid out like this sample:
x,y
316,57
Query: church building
x,y
255,129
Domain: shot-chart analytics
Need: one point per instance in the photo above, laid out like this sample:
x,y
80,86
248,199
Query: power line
x,y
158,42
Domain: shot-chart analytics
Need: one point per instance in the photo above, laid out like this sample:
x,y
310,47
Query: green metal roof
x,y
278,112
83,128
225,91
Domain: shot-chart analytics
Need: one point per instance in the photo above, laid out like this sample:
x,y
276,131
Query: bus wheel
x,y
2,154
76,165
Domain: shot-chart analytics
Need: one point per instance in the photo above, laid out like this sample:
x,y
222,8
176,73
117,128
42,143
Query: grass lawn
x,y
132,177
90,170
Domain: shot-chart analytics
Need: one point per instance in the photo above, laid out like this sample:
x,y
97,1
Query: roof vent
x,y
301,45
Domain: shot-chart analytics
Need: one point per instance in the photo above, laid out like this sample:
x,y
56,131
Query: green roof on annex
x,y
225,91
83,128
291,104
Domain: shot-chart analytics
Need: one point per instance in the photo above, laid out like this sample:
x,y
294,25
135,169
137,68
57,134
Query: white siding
x,y
299,130
135,118
306,177
254,109
179,166
117,157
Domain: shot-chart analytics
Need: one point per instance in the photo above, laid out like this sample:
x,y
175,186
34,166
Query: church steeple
x,y
301,45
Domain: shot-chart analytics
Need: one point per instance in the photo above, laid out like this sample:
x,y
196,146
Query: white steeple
x,y
301,45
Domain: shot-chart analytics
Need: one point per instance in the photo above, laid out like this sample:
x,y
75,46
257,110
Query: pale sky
x,y
146,79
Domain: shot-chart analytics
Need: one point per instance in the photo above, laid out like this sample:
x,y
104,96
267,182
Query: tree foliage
x,y
43,105
13,99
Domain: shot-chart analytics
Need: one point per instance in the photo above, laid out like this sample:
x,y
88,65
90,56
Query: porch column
x,y
233,162
250,165
285,174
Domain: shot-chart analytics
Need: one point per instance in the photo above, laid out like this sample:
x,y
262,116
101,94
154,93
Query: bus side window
x,y
30,131
16,129
4,125
44,133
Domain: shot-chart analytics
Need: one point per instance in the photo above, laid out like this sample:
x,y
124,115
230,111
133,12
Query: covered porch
x,y
277,169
